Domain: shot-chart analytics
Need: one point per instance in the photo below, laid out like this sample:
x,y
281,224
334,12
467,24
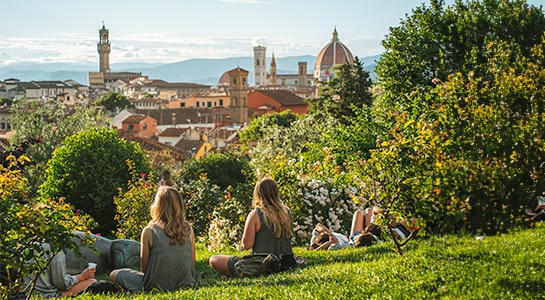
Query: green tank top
x,y
266,242
170,267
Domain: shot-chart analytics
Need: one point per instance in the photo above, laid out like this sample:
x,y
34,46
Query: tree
x,y
255,130
51,123
349,89
88,170
474,159
114,101
434,42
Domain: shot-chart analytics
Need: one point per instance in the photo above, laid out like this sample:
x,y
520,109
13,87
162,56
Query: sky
x,y
166,31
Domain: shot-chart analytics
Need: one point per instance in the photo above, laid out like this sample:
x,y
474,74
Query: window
x,y
221,102
209,104
145,127
3,124
197,103
182,104
131,127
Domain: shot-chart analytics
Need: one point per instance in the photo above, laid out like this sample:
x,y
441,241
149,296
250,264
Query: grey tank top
x,y
266,242
170,267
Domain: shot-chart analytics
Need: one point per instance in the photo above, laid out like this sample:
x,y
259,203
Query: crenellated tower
x,y
104,48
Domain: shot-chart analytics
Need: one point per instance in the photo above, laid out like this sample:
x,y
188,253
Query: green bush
x,y
88,170
132,205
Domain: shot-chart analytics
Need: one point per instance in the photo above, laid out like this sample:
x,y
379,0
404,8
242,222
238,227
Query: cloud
x,y
162,47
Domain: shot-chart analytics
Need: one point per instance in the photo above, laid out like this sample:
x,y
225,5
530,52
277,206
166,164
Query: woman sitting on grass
x,y
268,229
167,253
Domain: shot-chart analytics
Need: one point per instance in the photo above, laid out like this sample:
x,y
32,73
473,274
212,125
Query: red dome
x,y
333,54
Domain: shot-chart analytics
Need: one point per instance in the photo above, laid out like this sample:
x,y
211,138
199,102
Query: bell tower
x,y
273,71
238,92
104,48
260,69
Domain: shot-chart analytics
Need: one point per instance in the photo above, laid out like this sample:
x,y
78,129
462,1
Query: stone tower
x,y
104,48
238,92
273,71
302,73
260,67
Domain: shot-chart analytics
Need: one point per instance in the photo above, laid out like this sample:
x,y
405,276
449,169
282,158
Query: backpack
x,y
102,287
257,264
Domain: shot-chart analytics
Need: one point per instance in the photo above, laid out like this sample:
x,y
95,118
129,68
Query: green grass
x,y
510,266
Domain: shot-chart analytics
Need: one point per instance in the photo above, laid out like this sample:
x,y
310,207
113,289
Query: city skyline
x,y
166,31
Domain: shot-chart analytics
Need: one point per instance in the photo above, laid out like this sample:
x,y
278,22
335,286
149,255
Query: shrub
x,y
26,224
88,170
132,205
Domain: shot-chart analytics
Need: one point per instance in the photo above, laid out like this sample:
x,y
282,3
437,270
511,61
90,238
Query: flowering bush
x,y
227,224
26,224
201,199
132,206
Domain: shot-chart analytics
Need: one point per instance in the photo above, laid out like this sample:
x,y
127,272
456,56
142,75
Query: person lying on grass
x,y
363,221
323,238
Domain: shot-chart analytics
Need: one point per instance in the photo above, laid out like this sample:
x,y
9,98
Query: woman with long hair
x,y
167,248
268,228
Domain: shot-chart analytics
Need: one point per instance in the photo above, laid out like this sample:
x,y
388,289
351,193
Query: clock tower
x,y
104,48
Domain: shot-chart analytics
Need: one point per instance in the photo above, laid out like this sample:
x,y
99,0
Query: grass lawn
x,y
510,266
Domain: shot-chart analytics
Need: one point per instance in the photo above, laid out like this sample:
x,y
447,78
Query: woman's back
x,y
170,267
266,242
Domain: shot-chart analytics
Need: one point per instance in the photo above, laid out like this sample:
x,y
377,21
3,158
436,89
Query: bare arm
x,y
192,241
145,248
251,227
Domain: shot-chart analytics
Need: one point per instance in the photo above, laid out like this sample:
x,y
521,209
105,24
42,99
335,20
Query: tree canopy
x,y
436,41
114,101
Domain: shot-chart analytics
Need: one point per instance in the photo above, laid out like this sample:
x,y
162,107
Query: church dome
x,y
333,54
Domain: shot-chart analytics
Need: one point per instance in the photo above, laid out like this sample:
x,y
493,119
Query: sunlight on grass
x,y
510,266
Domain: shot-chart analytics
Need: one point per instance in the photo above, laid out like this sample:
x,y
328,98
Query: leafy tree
x,y
255,130
114,101
51,123
475,158
349,89
435,41
88,170
221,169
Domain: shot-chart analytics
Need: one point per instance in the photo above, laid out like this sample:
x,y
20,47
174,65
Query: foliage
x,y
132,205
113,102
349,89
434,42
258,125
51,123
476,155
228,219
27,223
88,170
221,169
201,199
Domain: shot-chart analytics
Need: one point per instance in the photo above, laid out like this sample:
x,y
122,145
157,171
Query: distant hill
x,y
199,70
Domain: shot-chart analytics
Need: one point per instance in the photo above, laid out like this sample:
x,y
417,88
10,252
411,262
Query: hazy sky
x,y
175,30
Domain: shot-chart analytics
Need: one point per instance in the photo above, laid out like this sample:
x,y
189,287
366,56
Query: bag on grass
x,y
102,287
257,264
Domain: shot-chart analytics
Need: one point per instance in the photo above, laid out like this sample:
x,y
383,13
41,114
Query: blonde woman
x,y
268,228
167,250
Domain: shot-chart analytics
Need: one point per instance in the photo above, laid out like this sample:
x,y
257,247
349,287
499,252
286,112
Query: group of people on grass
x,y
167,254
